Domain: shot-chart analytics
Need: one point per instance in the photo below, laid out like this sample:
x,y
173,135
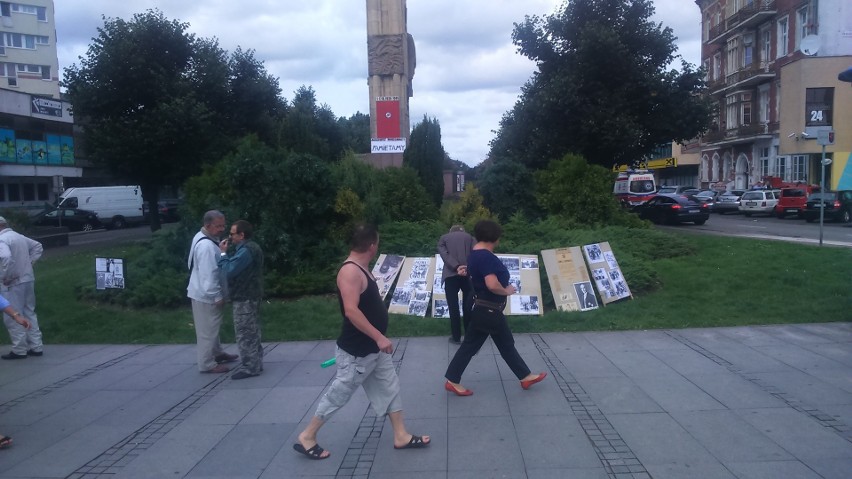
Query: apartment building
x,y
37,151
772,69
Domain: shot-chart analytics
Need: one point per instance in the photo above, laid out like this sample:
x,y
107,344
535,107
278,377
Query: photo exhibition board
x,y
414,287
439,295
109,273
385,271
606,274
524,274
569,279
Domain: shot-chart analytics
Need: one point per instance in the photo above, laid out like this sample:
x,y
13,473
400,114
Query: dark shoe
x,y
5,441
449,387
35,353
526,384
243,375
314,452
220,368
416,442
455,341
12,355
226,358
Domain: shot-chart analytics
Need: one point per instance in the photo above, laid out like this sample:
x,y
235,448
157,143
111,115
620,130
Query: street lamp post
x,y
824,138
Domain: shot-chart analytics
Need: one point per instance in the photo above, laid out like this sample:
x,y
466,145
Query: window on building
x,y
745,108
731,112
800,168
29,191
748,49
781,167
765,45
733,56
45,72
763,104
764,162
41,14
819,103
783,37
42,192
14,192
42,40
717,66
707,71
5,9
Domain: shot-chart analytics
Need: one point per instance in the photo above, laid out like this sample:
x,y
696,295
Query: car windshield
x,y
753,195
822,196
667,190
793,193
706,193
642,187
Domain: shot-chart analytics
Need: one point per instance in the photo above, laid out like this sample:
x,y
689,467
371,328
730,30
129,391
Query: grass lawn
x,y
728,282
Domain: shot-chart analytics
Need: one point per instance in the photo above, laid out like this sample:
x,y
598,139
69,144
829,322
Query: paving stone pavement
x,y
742,402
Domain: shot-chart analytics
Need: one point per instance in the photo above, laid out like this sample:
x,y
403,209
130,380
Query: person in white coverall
x,y
17,255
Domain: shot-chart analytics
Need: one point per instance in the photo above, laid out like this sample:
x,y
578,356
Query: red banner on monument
x,y
387,119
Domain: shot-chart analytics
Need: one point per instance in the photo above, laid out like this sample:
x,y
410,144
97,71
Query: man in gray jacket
x,y
17,255
454,247
207,294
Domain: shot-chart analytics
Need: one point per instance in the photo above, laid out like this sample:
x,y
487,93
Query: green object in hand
x,y
329,362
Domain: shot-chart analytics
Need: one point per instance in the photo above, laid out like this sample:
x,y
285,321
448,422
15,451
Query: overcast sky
x,y
468,72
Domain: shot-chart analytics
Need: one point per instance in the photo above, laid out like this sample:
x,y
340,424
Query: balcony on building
x,y
751,14
739,135
748,76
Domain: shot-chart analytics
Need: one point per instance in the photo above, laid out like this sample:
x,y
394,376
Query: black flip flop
x,y
314,453
5,441
416,442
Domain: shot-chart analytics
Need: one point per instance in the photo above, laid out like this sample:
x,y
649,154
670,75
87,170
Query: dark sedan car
x,y
72,218
673,209
836,206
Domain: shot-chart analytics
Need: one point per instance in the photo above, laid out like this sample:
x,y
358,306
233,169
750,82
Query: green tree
x,y
575,190
468,209
425,155
356,132
507,188
255,105
602,89
311,128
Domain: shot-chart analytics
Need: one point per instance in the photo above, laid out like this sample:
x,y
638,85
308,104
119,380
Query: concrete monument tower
x,y
391,61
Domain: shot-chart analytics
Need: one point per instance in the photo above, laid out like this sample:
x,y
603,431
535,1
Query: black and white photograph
x,y
415,285
419,268
610,260
615,275
621,289
586,295
389,268
438,284
421,295
441,310
521,304
401,296
512,263
593,252
529,263
418,308
599,274
516,281
109,273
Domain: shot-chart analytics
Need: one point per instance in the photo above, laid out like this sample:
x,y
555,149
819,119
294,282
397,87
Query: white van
x,y
116,206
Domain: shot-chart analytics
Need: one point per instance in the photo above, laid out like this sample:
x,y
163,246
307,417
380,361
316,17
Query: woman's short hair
x,y
363,236
487,231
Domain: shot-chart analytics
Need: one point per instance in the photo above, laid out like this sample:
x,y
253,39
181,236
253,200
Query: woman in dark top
x,y
491,286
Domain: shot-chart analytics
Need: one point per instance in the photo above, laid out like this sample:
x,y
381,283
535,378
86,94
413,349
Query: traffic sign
x,y
825,137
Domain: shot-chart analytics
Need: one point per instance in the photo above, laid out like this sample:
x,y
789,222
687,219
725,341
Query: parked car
x,y
673,209
792,201
678,190
168,210
72,218
707,197
728,201
759,201
836,206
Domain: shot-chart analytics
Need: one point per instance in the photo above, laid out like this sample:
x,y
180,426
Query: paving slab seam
x,y
359,457
822,418
7,406
618,460
114,459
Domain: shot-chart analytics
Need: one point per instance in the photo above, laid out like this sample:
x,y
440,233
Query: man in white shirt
x,y
207,294
17,255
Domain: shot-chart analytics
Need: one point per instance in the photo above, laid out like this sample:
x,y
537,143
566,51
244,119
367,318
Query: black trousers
x,y
452,286
487,322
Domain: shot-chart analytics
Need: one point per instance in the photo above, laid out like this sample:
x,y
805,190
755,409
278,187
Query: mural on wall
x,y
54,150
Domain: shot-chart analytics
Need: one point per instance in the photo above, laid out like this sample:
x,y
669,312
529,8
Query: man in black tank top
x,y
363,354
